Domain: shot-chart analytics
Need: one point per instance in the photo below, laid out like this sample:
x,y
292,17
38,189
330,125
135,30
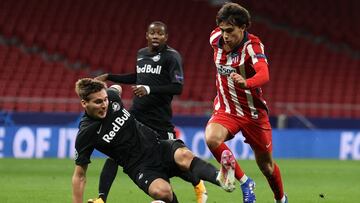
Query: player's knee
x,y
212,140
215,135
163,192
183,158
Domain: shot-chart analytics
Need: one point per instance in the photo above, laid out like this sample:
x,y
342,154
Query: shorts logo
x,y
141,175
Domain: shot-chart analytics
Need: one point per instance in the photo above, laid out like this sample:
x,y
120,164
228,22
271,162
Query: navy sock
x,y
107,177
204,170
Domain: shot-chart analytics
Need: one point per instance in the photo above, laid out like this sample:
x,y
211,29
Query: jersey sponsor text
x,y
148,69
117,124
225,70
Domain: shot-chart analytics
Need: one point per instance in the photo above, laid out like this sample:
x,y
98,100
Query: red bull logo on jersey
x,y
117,124
225,70
148,69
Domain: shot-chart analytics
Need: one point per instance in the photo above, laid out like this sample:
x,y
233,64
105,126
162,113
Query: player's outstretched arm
x,y
78,183
102,77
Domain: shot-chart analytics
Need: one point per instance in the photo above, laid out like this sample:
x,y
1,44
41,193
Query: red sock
x,y
275,183
217,154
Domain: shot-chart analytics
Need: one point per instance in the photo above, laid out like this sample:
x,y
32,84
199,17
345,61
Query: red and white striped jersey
x,y
231,98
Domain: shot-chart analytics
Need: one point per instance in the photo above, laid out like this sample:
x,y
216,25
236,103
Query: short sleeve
x,y
84,144
256,52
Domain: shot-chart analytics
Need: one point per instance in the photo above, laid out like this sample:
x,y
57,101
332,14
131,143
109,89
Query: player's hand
x,y
238,79
102,77
139,90
117,87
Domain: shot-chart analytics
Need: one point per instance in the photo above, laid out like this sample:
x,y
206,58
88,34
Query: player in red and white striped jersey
x,y
242,69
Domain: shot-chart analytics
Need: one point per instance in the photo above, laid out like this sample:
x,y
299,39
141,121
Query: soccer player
x,y
108,127
158,77
242,69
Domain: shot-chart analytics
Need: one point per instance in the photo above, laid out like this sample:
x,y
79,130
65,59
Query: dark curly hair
x,y
233,14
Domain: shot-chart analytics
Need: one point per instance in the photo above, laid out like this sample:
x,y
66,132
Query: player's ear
x,y
83,103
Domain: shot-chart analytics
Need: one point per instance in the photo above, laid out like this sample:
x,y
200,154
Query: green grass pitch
x,y
49,181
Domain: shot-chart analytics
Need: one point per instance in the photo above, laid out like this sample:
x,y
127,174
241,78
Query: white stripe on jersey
x,y
232,90
218,56
252,54
227,107
234,97
254,112
214,36
217,105
249,97
217,100
263,51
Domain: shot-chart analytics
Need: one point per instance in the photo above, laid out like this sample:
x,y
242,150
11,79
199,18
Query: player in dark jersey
x,y
157,78
109,128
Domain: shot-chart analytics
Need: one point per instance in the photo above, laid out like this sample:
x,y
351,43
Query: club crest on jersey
x,y
156,58
115,106
235,58
225,70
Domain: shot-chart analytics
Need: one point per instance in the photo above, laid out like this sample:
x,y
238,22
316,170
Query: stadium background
x,y
313,48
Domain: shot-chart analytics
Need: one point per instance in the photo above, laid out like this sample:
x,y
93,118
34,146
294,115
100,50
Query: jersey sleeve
x,y
83,145
259,61
176,68
214,37
256,52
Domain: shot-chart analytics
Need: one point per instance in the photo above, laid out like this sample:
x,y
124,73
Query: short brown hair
x,y
233,14
86,86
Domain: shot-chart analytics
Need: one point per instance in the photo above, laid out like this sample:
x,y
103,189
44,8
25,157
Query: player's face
x,y
232,35
97,105
156,36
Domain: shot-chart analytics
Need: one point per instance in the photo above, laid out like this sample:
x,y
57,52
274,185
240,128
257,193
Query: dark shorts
x,y
160,164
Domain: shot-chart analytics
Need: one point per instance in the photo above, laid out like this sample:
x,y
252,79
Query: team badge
x,y
115,106
156,58
76,155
